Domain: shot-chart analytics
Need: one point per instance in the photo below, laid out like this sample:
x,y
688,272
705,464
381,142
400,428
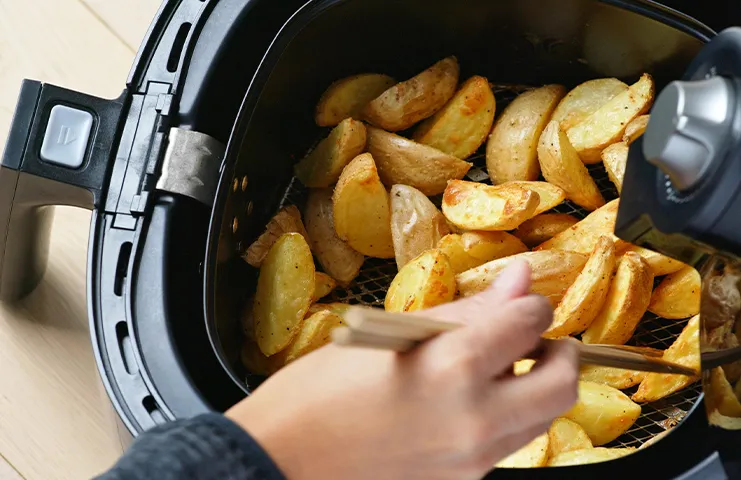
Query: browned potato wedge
x,y
362,214
532,455
615,158
685,351
323,166
403,162
589,455
425,282
566,435
719,394
543,227
408,102
346,97
512,149
584,299
477,206
678,295
471,249
586,99
583,236
416,223
550,195
287,220
562,167
607,125
635,129
721,299
612,377
626,302
315,332
603,412
285,288
461,127
335,256
324,285
660,264
553,271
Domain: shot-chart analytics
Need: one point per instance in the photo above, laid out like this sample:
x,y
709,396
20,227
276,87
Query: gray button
x,y
66,136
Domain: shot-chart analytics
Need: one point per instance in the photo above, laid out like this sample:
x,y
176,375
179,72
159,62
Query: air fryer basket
x,y
514,44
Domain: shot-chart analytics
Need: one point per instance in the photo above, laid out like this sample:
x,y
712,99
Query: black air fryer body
x,y
148,278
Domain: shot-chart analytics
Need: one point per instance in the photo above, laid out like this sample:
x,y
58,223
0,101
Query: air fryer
x,y
186,167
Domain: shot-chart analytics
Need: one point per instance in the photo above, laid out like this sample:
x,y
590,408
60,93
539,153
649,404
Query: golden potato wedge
x,y
660,264
362,214
425,282
583,236
612,377
521,367
685,351
416,223
589,455
584,298
562,167
603,412
285,288
471,249
403,162
324,284
615,158
346,97
607,125
408,102
635,129
723,421
586,99
719,394
477,206
625,304
532,455
461,127
543,227
678,295
287,220
339,309
512,149
256,363
553,271
566,435
335,256
550,195
315,332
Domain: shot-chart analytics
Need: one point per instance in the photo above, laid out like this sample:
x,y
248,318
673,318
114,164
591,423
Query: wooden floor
x,y
55,420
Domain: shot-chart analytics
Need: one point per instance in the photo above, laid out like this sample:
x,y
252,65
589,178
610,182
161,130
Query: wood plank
x,y
128,19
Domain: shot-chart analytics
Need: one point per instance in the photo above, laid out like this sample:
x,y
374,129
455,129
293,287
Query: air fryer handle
x,y
57,153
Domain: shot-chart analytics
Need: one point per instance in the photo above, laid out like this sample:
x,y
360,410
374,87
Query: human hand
x,y
449,409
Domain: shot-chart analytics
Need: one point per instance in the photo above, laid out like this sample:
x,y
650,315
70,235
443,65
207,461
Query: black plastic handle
x,y
32,181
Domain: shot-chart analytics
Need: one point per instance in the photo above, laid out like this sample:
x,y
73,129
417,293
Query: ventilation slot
x,y
122,268
153,410
124,345
177,48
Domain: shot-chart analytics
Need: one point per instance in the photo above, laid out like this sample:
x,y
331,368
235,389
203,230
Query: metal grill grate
x,y
370,287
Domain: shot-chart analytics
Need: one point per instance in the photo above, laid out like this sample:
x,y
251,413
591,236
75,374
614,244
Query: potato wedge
x,y
678,295
315,332
589,455
532,455
685,351
408,102
615,158
607,125
324,284
461,127
550,195
477,206
553,271
655,439
335,256
287,220
512,149
521,367
603,412
586,99
625,304
612,377
346,97
724,421
471,249
562,167
583,236
721,299
584,298
416,223
543,227
719,394
660,264
635,129
323,166
285,288
403,162
362,214
425,282
339,309
256,363
566,435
